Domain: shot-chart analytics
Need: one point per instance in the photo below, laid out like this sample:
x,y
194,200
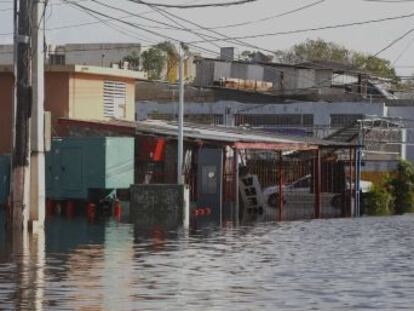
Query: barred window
x,y
282,120
342,120
210,119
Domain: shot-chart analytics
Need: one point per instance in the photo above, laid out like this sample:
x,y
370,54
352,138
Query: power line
x,y
237,42
302,8
406,48
135,25
180,27
116,27
288,32
194,6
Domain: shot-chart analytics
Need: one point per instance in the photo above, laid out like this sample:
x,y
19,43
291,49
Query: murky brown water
x,y
319,265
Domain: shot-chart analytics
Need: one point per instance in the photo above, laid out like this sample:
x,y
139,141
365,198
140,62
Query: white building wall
x,y
6,54
321,110
406,113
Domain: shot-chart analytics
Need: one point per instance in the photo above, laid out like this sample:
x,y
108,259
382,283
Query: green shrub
x,y
378,202
401,187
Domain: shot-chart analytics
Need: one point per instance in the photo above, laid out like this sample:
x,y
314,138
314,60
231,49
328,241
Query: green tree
x,y
312,50
253,55
153,62
315,50
402,188
133,60
172,59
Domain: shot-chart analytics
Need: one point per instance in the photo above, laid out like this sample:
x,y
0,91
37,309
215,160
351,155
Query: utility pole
x,y
21,147
180,153
37,160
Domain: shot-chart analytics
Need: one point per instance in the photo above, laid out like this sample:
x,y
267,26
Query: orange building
x,y
74,91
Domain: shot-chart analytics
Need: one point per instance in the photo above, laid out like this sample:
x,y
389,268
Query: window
x,y
343,120
114,99
281,120
57,59
210,119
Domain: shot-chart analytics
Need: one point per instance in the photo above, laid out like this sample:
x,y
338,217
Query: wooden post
x,y
317,186
281,194
20,194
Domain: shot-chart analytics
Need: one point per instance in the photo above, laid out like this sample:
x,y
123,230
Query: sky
x,y
366,38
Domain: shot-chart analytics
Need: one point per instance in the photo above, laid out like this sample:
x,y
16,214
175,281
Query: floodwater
x,y
345,264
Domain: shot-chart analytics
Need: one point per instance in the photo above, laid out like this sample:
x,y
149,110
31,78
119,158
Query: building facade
x,y
384,143
282,79
91,54
74,91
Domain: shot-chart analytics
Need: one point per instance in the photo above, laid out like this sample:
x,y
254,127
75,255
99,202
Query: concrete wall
x,y
165,206
305,79
83,54
99,54
74,95
322,111
86,96
57,97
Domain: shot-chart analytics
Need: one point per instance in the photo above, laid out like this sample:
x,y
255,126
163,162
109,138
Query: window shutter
x,y
114,99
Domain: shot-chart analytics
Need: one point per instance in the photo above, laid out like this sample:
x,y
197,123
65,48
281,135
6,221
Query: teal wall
x,y
77,165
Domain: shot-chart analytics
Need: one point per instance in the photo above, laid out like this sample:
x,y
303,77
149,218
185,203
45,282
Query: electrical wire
x,y
304,30
237,42
180,26
260,20
196,6
116,28
136,26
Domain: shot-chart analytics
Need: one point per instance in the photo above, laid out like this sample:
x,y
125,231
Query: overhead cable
x,y
161,35
195,6
304,30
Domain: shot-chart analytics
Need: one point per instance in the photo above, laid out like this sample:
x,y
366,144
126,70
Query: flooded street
x,y
345,264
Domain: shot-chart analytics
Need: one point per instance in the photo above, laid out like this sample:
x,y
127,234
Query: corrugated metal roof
x,y
208,133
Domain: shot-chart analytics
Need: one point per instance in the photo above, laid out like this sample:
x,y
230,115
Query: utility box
x,y
78,166
4,179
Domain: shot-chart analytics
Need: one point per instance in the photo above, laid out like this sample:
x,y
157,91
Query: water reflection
x,y
25,255
317,265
